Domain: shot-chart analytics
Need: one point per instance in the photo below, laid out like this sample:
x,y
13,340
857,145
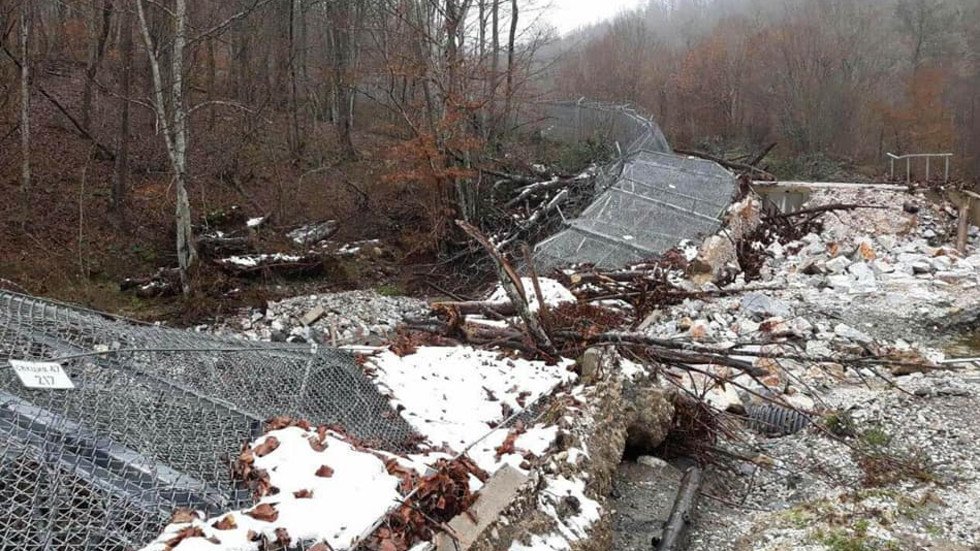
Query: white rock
x,y
862,272
746,327
801,327
838,264
818,348
759,305
841,282
942,263
882,267
886,241
972,261
921,268
848,332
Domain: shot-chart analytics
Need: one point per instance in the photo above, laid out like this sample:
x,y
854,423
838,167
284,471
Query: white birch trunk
x,y
174,127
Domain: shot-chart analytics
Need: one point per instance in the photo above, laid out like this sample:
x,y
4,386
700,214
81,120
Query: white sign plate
x,y
42,374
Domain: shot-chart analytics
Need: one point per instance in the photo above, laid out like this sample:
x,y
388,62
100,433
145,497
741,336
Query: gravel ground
x,y
812,493
900,469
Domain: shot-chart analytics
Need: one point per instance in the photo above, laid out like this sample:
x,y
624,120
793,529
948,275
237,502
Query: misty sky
x,y
568,15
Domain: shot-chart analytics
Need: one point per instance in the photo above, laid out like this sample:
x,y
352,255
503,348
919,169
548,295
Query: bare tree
x,y
95,58
172,116
342,14
121,176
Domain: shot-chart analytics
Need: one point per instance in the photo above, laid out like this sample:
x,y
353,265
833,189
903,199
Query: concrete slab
x,y
498,494
312,316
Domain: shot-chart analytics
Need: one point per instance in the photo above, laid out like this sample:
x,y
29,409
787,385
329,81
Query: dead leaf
x,y
226,523
303,494
267,447
189,532
182,515
324,471
264,512
867,251
282,537
317,444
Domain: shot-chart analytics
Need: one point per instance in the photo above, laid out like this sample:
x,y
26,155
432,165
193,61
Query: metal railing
x,y
927,156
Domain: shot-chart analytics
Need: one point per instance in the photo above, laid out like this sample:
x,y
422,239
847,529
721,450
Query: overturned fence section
x,y
649,199
152,422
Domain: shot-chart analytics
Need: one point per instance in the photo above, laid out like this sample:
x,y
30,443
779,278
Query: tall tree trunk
x,y
25,99
212,82
121,176
174,126
97,53
294,133
342,55
509,90
186,255
494,64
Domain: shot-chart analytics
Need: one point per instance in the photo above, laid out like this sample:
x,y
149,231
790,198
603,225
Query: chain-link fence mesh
x,y
649,198
152,424
576,121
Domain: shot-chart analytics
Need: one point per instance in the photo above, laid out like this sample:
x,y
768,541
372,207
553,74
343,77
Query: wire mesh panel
x,y
650,199
152,422
575,121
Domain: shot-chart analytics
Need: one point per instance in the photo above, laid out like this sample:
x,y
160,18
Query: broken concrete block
x,y
312,316
761,306
498,494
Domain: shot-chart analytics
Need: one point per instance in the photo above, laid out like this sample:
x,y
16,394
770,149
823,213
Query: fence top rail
x,y
912,155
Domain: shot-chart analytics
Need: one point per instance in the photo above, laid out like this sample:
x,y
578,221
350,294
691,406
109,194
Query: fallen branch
x,y
731,165
824,209
762,155
512,285
110,155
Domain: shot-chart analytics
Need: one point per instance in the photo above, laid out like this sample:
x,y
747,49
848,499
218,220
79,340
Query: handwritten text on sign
x,y
41,374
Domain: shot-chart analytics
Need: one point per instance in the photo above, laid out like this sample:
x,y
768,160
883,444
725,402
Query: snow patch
x,y
454,396
341,507
553,292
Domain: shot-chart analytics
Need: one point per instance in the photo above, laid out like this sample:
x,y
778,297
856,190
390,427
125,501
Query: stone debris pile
x,y
348,318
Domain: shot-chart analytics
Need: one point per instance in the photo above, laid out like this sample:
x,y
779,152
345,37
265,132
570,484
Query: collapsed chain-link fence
x,y
649,199
152,423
